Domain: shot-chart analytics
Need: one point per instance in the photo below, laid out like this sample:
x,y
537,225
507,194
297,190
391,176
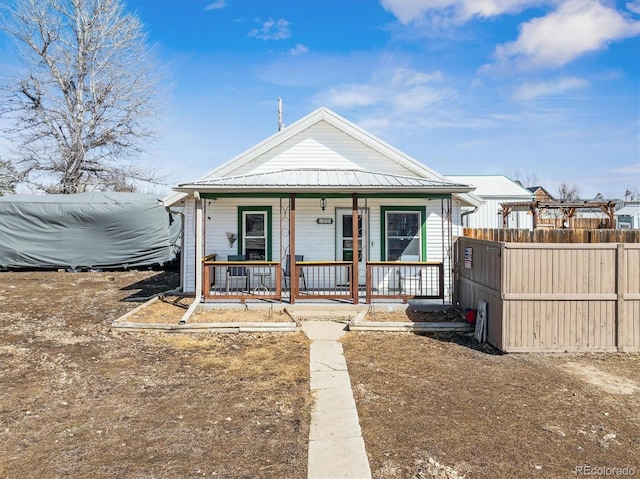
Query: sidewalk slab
x,y
330,425
327,356
333,399
336,446
324,330
330,380
333,460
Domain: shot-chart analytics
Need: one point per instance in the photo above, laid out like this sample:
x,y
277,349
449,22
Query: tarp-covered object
x,y
86,231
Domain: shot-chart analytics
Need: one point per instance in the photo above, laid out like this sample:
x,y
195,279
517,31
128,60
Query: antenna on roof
x,y
280,125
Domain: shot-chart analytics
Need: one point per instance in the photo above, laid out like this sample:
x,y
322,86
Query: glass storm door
x,y
255,235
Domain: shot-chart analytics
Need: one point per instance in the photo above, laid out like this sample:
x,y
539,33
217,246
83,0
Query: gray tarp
x,y
87,230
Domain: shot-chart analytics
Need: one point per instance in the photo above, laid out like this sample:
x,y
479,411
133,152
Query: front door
x,y
344,241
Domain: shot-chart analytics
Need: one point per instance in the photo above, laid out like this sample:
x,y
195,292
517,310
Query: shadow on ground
x,y
463,339
164,280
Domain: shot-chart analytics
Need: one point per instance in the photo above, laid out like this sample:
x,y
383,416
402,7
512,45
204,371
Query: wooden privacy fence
x,y
553,297
554,236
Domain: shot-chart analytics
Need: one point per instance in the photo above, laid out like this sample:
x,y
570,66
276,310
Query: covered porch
x,y
382,242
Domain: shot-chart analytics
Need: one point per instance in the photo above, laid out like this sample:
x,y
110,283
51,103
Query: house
x,y
628,217
495,190
540,193
320,210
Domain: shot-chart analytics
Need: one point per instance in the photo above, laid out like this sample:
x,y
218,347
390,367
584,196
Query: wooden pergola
x,y
568,208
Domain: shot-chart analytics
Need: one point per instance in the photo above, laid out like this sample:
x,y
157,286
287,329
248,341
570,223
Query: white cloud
x,y
529,91
402,91
633,169
410,10
406,77
575,28
299,49
217,5
634,6
351,96
492,8
272,30
407,11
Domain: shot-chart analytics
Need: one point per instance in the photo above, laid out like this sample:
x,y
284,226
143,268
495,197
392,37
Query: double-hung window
x,y
403,238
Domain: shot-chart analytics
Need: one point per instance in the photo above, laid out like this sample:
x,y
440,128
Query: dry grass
x,y
488,415
169,310
79,400
411,314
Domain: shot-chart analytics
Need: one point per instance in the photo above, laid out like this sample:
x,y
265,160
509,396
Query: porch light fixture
x,y
323,203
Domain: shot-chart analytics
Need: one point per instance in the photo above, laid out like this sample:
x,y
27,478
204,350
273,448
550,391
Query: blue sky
x,y
548,87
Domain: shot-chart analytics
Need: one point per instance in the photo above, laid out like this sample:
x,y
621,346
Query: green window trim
x,y
269,229
423,228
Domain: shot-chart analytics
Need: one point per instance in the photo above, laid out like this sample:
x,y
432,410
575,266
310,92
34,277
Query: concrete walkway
x,y
336,447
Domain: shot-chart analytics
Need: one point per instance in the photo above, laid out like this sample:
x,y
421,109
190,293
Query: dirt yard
x,y
80,399
438,404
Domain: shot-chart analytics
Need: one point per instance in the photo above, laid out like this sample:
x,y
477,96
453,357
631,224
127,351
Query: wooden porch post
x,y
293,273
356,250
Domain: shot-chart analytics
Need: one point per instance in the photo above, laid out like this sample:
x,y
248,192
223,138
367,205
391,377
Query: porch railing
x,y
404,280
321,280
242,280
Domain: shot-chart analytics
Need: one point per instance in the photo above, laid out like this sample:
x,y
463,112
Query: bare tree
x,y
82,105
8,178
632,195
526,179
568,191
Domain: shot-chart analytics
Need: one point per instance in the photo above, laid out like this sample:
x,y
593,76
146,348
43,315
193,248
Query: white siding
x,y
321,146
489,216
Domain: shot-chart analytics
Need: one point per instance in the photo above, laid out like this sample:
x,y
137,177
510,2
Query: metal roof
x,y
493,186
304,179
629,210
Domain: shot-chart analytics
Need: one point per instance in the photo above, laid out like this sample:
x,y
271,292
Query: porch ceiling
x,y
304,180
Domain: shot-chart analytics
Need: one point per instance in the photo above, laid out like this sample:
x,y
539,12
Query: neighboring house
x,y
591,218
628,217
540,193
328,204
495,190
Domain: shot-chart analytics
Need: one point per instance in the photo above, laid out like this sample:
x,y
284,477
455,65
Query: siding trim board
x,y
361,195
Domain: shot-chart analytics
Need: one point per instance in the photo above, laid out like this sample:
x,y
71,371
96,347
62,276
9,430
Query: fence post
x,y
621,273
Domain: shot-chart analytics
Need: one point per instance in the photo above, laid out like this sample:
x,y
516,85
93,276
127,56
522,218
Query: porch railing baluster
x,y
322,280
404,280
